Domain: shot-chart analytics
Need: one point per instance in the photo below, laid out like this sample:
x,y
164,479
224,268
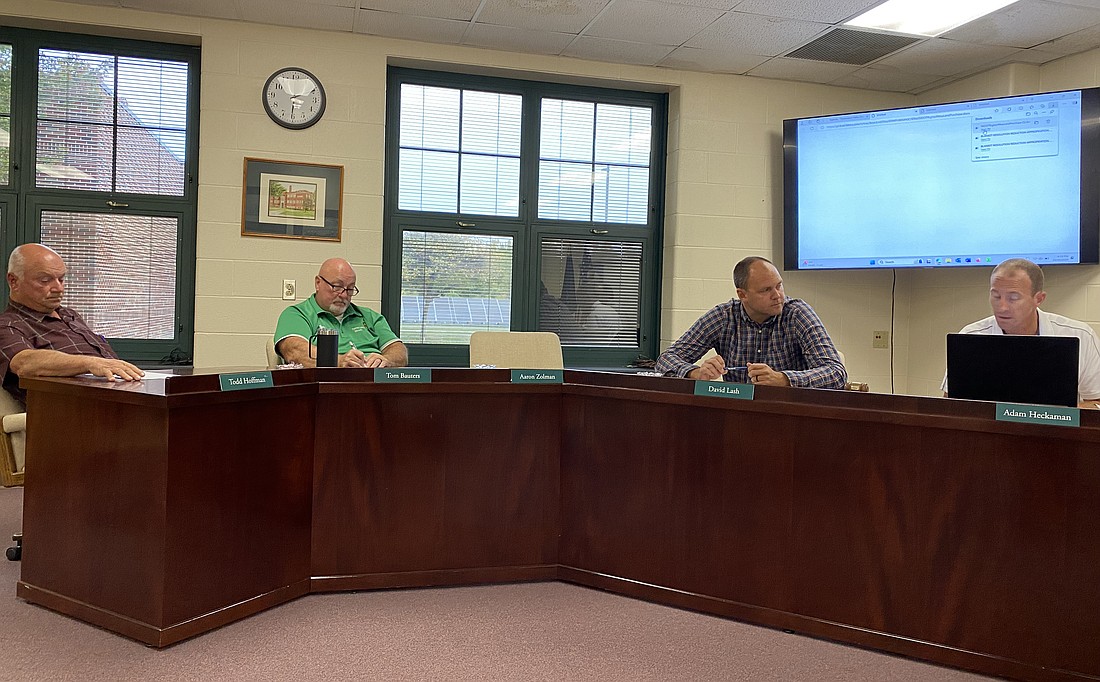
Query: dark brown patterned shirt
x,y
24,329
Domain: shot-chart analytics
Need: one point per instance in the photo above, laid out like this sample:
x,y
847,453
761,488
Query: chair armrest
x,y
15,422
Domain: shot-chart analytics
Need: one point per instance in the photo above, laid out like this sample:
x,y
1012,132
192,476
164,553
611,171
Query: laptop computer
x,y
1038,370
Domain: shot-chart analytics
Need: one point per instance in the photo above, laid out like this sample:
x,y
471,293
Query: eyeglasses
x,y
336,288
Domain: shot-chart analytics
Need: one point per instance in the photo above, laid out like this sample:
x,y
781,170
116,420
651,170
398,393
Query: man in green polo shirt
x,y
366,339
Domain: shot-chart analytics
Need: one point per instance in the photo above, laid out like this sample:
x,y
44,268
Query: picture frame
x,y
292,200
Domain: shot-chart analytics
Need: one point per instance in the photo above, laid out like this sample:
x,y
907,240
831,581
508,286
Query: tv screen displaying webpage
x,y
945,185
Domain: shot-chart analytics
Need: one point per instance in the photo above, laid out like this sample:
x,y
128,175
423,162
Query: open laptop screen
x,y
1039,370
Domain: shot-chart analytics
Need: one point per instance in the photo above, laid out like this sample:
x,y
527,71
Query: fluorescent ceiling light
x,y
925,17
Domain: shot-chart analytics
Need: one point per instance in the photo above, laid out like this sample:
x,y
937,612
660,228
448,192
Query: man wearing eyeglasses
x,y
366,339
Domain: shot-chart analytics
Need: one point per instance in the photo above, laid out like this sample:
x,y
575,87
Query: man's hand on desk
x,y
356,358
760,373
113,370
712,369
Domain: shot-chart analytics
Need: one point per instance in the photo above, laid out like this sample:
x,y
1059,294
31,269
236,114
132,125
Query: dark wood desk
x,y
911,525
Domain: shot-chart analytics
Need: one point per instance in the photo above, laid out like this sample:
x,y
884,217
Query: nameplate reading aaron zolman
x,y
406,375
722,389
243,381
1038,414
537,376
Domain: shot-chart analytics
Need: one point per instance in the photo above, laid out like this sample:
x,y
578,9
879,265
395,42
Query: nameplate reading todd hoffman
x,y
721,389
1038,414
407,375
537,376
245,380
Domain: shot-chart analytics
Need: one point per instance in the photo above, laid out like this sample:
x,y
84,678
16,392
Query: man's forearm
x,y
396,353
48,363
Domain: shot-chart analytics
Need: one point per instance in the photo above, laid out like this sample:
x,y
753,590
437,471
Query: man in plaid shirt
x,y
761,337
39,336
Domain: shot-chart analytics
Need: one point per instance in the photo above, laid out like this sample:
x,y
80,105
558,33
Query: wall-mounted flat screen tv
x,y
945,185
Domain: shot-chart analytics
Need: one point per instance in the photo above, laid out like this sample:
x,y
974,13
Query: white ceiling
x,y
719,36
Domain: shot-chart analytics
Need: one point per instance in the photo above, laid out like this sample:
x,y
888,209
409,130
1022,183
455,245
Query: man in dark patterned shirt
x,y
761,337
39,336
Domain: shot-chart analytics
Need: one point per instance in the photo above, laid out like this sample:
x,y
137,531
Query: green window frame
x,y
586,264
145,202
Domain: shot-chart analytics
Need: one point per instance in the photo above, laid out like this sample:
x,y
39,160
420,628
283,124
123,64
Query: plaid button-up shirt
x,y
793,342
24,329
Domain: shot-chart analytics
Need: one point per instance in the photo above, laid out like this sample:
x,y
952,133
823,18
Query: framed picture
x,y
292,200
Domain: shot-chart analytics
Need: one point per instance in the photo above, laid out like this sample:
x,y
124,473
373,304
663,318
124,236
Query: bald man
x,y
366,339
39,336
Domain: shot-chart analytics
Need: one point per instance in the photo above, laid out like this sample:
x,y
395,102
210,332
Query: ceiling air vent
x,y
845,46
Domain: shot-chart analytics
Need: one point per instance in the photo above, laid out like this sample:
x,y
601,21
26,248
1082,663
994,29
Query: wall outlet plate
x,y
880,339
288,290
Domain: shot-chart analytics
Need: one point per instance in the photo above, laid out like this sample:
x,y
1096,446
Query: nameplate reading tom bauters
x,y
722,389
537,376
406,375
243,381
1038,414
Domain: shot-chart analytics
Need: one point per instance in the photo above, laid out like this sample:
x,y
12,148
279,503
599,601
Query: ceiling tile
x,y
802,69
1026,23
644,21
824,11
451,9
618,51
392,25
712,4
754,34
517,39
942,57
218,9
293,13
876,78
563,16
1081,41
1095,4
714,61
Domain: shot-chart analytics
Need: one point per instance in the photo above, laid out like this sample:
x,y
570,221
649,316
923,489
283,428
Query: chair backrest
x,y
516,350
12,440
273,359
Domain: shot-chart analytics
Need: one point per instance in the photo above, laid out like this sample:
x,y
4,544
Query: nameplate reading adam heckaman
x,y
243,381
537,376
722,389
407,375
1038,414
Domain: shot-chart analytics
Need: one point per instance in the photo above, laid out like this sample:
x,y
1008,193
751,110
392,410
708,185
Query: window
x,y
523,206
109,128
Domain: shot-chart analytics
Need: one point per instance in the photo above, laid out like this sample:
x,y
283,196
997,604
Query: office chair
x,y
516,350
13,444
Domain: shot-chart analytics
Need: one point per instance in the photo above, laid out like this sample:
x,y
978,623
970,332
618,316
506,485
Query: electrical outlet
x,y
880,339
288,290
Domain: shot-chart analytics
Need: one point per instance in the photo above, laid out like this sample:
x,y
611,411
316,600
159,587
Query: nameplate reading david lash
x,y
408,375
1038,414
537,376
245,380
724,390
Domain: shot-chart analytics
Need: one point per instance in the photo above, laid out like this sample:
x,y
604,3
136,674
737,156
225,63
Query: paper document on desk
x,y
148,375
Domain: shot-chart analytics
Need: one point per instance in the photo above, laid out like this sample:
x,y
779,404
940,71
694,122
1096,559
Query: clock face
x,y
294,98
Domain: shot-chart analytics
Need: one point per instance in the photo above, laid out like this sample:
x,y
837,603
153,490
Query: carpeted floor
x,y
536,631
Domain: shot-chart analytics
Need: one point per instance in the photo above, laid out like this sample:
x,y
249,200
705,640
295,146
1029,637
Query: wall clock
x,y
294,98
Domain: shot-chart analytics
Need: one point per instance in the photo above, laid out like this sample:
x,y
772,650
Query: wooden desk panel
x,y
917,526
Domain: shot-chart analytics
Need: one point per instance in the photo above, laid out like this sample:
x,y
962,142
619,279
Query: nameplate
x,y
537,376
722,389
243,381
1038,414
406,375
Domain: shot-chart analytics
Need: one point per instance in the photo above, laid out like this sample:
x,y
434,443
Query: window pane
x,y
591,291
491,122
99,115
5,113
620,195
122,270
429,117
623,134
74,156
428,181
453,285
565,190
490,185
567,130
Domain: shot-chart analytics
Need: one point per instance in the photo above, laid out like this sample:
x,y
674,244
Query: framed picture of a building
x,y
292,200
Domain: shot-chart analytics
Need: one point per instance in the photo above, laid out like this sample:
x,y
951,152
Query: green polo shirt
x,y
361,327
